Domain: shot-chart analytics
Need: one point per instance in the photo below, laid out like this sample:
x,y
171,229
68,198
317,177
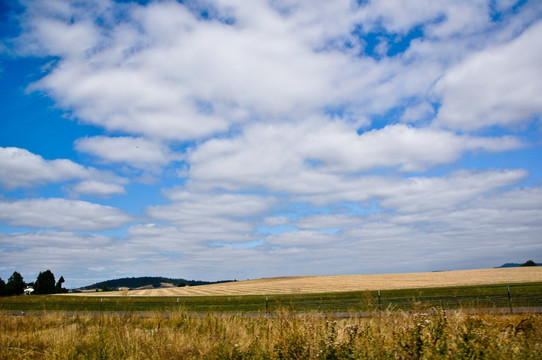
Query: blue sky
x,y
226,139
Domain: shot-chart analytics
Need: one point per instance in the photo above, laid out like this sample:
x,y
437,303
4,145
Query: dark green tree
x,y
529,263
58,286
2,287
15,285
45,284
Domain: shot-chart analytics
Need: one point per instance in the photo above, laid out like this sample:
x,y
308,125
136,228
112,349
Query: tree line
x,y
44,284
155,281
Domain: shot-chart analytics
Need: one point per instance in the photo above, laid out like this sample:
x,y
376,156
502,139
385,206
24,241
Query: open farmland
x,y
473,289
414,323
345,283
494,298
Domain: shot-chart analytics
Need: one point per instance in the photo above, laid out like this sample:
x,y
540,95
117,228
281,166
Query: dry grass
x,y
343,283
286,335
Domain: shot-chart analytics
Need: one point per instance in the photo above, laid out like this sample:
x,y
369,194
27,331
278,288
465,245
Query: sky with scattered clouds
x,y
233,139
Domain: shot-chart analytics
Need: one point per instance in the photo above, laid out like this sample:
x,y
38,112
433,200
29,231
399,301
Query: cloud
x,y
142,239
516,199
98,188
276,220
62,39
62,214
213,217
328,221
234,205
316,155
418,112
21,168
423,194
163,73
439,239
455,235
416,193
398,16
137,152
54,239
411,149
496,86
140,79
501,221
206,218
296,238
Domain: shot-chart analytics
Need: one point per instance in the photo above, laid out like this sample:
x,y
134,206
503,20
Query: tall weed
x,y
281,335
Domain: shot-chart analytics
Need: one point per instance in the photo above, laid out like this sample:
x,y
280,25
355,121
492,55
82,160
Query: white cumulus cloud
x,y
92,187
137,152
21,168
61,214
316,154
497,86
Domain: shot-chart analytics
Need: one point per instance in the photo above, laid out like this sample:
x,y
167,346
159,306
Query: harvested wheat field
x,y
342,283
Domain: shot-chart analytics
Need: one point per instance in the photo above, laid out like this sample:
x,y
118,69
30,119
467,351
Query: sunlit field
x,y
486,297
283,334
347,283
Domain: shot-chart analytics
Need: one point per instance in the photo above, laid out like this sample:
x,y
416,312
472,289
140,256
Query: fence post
x,y
266,304
509,299
379,302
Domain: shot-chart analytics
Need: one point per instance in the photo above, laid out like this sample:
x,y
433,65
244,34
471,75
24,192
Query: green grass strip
x,y
476,297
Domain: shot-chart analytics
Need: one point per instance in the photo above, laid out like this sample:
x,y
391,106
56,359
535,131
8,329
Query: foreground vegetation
x,y
412,325
281,335
472,297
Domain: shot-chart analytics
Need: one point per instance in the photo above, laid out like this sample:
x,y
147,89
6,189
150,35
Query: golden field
x,y
286,335
345,283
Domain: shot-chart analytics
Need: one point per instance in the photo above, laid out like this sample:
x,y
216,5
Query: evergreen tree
x,y
58,287
2,287
15,285
529,263
45,284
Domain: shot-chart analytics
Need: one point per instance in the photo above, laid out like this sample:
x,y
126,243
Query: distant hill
x,y
154,281
509,265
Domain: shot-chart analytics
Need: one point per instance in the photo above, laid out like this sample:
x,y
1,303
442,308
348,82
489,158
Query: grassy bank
x,y
287,335
487,296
